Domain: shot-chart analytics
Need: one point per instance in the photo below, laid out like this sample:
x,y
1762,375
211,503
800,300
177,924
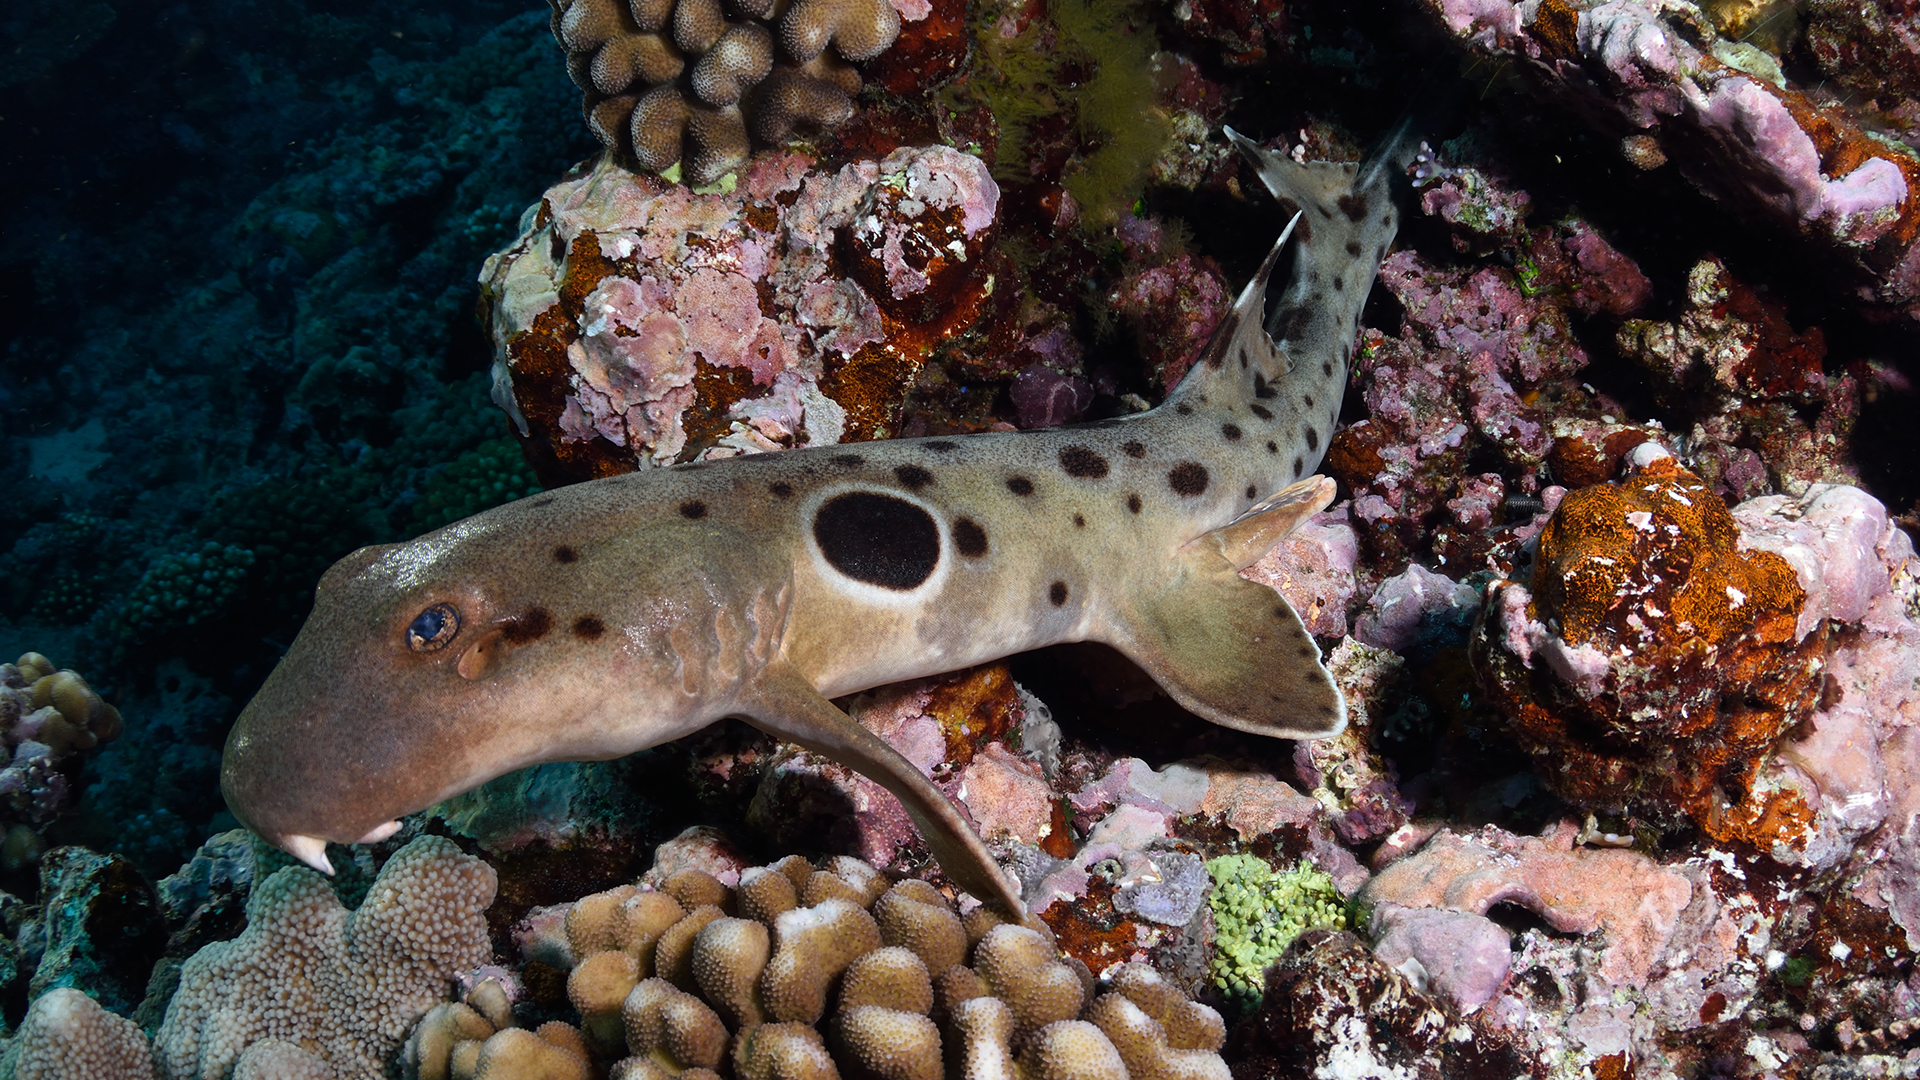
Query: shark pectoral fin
x,y
785,705
1229,650
1251,535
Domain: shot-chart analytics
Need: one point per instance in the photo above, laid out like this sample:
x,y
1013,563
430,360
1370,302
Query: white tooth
x,y
308,849
379,833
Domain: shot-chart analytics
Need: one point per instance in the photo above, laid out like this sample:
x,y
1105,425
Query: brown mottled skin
x,y
607,617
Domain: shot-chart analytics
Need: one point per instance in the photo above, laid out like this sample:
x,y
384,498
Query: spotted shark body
x,y
603,618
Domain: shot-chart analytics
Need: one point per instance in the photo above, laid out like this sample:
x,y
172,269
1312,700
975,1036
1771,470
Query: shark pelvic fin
x,y
1245,539
1227,649
784,704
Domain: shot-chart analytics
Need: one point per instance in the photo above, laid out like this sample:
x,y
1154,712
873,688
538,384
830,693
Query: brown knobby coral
x,y
1653,665
658,74
839,972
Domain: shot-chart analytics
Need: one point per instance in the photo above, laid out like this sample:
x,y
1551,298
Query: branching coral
x,y
658,73
839,972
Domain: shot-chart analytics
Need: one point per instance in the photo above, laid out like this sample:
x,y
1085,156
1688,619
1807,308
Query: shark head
x,y
430,667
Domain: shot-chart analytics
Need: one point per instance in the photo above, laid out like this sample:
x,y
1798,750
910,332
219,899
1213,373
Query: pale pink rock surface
x,y
1465,956
1636,901
697,848
1007,795
1313,569
1411,602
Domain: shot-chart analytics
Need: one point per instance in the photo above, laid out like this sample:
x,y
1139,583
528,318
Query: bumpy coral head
x,y
669,81
515,637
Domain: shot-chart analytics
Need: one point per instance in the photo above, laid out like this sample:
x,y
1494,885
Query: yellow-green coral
x,y
1257,912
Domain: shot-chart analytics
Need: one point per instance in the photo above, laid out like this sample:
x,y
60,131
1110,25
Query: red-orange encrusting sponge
x,y
1653,665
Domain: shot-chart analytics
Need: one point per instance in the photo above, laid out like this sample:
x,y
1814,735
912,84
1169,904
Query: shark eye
x,y
433,628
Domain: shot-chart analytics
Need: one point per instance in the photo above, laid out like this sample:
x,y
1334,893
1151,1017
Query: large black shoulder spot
x,y
878,539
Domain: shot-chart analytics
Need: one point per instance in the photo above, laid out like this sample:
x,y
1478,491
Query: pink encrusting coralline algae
x,y
689,282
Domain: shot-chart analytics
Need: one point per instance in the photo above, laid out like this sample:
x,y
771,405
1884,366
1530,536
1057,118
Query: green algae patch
x,y
1257,912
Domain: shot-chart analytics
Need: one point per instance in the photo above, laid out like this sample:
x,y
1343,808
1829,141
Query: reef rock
x,y
637,323
1653,663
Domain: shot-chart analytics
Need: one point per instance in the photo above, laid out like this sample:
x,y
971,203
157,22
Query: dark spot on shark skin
x,y
565,554
587,628
1326,367
1252,492
878,539
1260,387
1313,439
940,446
530,625
1189,478
1261,411
1307,652
693,509
1327,713
1291,323
1308,398
1020,485
1082,463
912,476
1183,409
1079,522
1354,206
969,538
1387,218
1133,448
1339,283
850,461
781,488
1133,502
1299,466
1353,248
1231,431
544,500
1057,592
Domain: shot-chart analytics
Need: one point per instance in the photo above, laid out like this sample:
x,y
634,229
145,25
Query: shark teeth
x,y
379,833
310,850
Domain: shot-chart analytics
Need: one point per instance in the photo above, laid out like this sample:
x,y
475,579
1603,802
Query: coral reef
x,y
1668,86
640,323
47,718
1330,1000
658,74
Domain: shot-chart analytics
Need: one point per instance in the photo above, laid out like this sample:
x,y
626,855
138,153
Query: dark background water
x,y
238,246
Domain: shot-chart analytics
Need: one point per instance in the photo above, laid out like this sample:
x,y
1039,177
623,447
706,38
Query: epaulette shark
x,y
593,621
